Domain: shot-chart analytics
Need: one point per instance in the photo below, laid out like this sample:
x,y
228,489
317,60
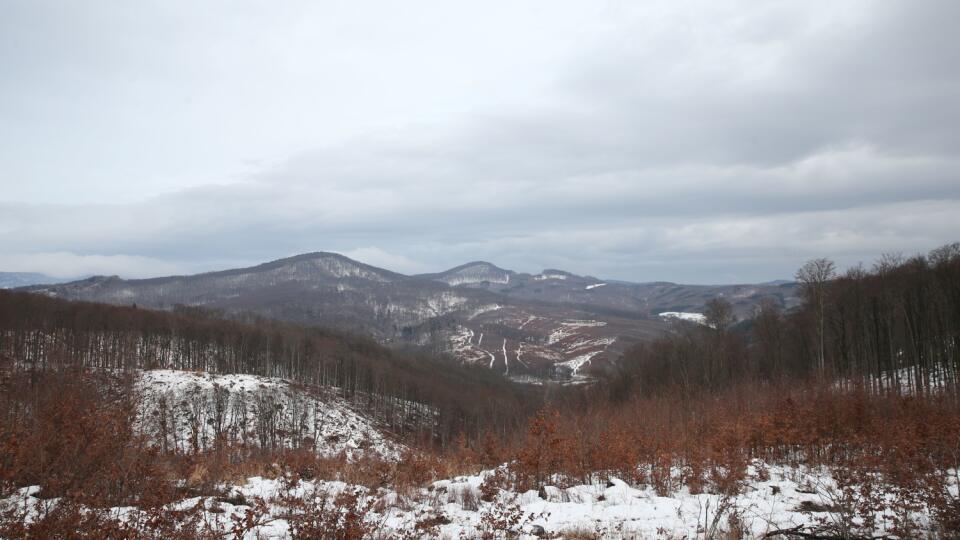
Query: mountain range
x,y
528,326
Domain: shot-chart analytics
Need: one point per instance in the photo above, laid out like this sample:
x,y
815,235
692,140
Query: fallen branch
x,y
799,532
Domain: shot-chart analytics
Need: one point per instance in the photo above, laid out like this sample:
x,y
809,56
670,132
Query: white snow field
x,y
698,318
785,498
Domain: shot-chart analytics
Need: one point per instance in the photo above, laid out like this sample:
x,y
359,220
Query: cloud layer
x,y
683,141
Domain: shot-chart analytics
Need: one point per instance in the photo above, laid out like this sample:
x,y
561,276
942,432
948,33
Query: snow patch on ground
x,y
576,363
698,318
569,328
906,381
529,320
582,323
549,275
462,347
506,359
581,344
483,309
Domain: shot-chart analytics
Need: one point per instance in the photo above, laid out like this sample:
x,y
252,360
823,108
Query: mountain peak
x,y
477,264
474,272
553,273
313,255
331,264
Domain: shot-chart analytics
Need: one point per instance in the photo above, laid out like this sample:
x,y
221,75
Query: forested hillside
x,y
838,419
894,328
39,334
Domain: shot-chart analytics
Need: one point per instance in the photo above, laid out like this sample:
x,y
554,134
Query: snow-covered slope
x,y
186,410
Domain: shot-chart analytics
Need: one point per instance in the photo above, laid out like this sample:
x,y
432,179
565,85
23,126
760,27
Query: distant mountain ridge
x,y
554,323
11,280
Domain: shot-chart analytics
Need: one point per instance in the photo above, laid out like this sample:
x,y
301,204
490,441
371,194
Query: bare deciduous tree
x,y
813,277
719,313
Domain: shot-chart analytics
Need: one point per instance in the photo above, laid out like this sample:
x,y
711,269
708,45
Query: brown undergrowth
x,y
73,435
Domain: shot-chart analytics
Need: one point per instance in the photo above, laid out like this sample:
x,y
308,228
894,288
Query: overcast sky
x,y
691,141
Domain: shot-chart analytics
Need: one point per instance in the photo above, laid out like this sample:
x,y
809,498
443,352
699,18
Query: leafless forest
x,y
862,380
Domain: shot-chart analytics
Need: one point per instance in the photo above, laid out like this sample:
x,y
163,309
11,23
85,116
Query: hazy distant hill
x,y
10,280
552,323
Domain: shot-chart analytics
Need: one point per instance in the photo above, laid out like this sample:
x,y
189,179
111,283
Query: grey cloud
x,y
708,143
885,78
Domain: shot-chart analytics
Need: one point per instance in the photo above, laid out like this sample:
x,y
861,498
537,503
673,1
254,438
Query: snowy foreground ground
x,y
790,497
772,497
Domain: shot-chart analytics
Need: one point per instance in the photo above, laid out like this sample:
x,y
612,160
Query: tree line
x,y
894,327
40,334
